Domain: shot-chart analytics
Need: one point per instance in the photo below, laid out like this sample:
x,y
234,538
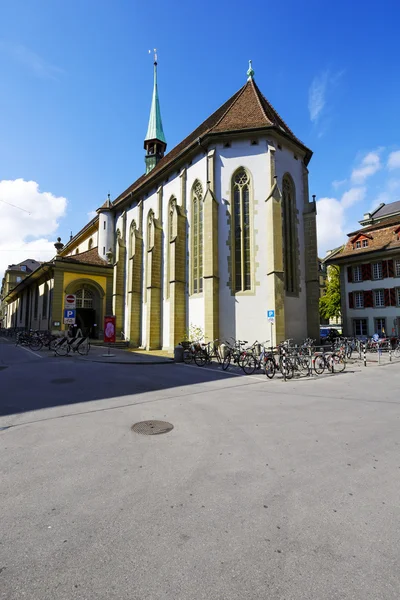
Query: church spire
x,y
155,143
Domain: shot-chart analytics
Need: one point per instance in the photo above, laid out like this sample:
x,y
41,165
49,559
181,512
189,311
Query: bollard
x,y
309,362
379,355
178,353
284,363
390,352
365,354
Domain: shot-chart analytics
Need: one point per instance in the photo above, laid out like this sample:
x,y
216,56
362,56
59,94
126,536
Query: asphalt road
x,y
285,491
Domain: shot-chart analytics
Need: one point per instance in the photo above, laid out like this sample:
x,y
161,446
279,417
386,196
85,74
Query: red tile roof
x,y
247,109
381,236
90,257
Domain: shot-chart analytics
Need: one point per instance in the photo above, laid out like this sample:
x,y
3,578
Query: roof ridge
x,y
258,93
238,95
277,114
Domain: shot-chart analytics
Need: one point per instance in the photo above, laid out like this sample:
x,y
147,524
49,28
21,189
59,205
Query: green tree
x,y
329,304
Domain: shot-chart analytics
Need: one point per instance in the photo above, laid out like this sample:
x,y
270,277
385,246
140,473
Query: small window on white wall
x,y
104,225
357,274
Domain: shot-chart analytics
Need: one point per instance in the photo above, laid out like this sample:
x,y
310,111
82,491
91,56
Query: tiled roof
x,y
247,109
387,209
90,257
395,220
380,237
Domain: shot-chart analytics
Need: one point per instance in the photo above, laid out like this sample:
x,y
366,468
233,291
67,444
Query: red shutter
x,y
368,300
351,300
386,294
349,274
392,296
385,269
390,268
366,272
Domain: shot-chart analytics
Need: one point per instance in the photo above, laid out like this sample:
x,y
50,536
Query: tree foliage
x,y
329,304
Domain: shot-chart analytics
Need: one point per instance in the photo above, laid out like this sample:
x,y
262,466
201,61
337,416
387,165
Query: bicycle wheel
x,y
35,343
249,364
337,363
302,363
84,347
289,368
226,362
52,343
319,364
270,368
397,352
61,347
200,358
187,356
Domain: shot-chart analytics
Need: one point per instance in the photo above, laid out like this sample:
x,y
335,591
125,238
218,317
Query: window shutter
x,y
366,272
385,269
386,294
390,268
349,274
392,296
368,299
351,299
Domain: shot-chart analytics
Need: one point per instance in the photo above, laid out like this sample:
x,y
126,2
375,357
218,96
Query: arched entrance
x,y
89,306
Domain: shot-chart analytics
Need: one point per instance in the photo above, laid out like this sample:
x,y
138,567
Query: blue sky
x,y
76,87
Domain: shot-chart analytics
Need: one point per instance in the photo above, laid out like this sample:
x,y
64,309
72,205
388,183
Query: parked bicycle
x,y
64,345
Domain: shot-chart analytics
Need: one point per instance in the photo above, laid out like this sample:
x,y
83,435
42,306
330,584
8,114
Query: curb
x,y
136,362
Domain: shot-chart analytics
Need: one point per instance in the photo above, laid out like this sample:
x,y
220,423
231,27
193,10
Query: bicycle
x,y
234,353
206,353
64,345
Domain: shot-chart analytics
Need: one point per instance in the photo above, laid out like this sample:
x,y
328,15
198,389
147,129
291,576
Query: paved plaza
x,y
263,489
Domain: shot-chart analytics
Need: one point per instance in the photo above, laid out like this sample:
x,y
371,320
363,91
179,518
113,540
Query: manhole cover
x,y
152,427
62,380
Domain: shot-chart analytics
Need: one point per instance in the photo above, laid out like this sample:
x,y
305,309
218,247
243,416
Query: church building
x,y
216,232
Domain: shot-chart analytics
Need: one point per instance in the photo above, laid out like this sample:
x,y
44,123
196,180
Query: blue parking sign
x,y
69,313
271,314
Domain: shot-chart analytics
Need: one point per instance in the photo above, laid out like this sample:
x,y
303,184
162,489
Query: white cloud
x,y
332,218
317,95
352,196
29,59
27,225
394,160
370,164
393,185
330,224
337,183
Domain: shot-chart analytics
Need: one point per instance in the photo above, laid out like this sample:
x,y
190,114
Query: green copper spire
x,y
250,72
155,129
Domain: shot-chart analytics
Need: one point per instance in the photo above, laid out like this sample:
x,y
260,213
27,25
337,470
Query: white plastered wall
x,y
295,306
243,315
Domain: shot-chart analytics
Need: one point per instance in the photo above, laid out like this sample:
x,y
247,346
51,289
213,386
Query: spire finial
x,y
250,72
155,55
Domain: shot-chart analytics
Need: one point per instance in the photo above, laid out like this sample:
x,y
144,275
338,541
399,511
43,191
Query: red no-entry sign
x,y
70,301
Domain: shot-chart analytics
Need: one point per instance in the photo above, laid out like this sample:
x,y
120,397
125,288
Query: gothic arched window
x,y
197,237
170,238
242,231
90,244
290,249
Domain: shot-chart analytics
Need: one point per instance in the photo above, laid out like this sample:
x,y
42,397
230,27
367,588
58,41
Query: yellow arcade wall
x,y
70,277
